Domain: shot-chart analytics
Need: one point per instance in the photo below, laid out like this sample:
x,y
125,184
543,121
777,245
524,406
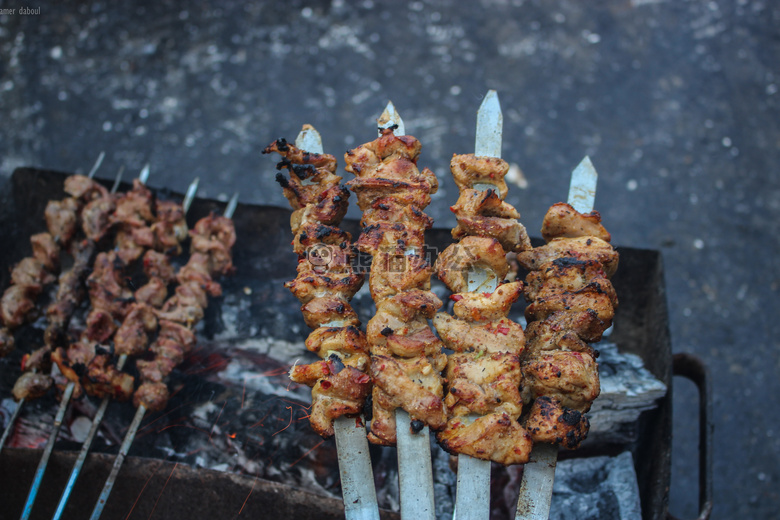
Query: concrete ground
x,y
676,103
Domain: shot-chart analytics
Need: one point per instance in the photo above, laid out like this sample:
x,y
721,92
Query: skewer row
x,y
143,228
498,416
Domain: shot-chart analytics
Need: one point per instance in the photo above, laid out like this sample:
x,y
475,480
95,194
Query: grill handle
x,y
693,368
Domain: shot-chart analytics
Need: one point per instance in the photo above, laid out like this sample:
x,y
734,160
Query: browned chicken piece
x,y
186,306
196,271
46,251
62,219
176,332
152,293
329,210
310,176
158,265
387,168
484,383
170,228
30,271
389,226
487,306
31,386
95,217
571,378
37,360
326,270
128,250
16,304
107,291
132,337
135,208
502,335
152,394
469,171
403,315
370,190
453,264
395,273
214,236
102,379
100,325
562,220
579,248
549,422
496,437
484,214
84,188
329,309
414,384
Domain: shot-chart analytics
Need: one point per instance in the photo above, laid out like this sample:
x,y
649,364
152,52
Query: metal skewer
x,y
137,419
357,477
415,471
539,473
98,418
472,499
64,401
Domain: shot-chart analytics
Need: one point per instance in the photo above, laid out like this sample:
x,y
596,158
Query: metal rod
x,y
539,473
231,206
357,476
192,189
10,426
97,164
144,175
118,179
120,458
47,452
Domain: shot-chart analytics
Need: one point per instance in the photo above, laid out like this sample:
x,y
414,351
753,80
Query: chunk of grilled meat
x,y
572,303
62,220
563,221
31,385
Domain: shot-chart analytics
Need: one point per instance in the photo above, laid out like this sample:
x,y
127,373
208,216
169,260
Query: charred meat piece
x,y
46,251
31,386
62,220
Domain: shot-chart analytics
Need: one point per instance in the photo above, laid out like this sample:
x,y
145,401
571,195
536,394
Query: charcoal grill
x,y
150,486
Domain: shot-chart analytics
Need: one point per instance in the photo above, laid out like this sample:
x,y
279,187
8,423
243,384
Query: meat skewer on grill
x,y
483,374
212,240
406,357
325,283
572,304
62,219
157,277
